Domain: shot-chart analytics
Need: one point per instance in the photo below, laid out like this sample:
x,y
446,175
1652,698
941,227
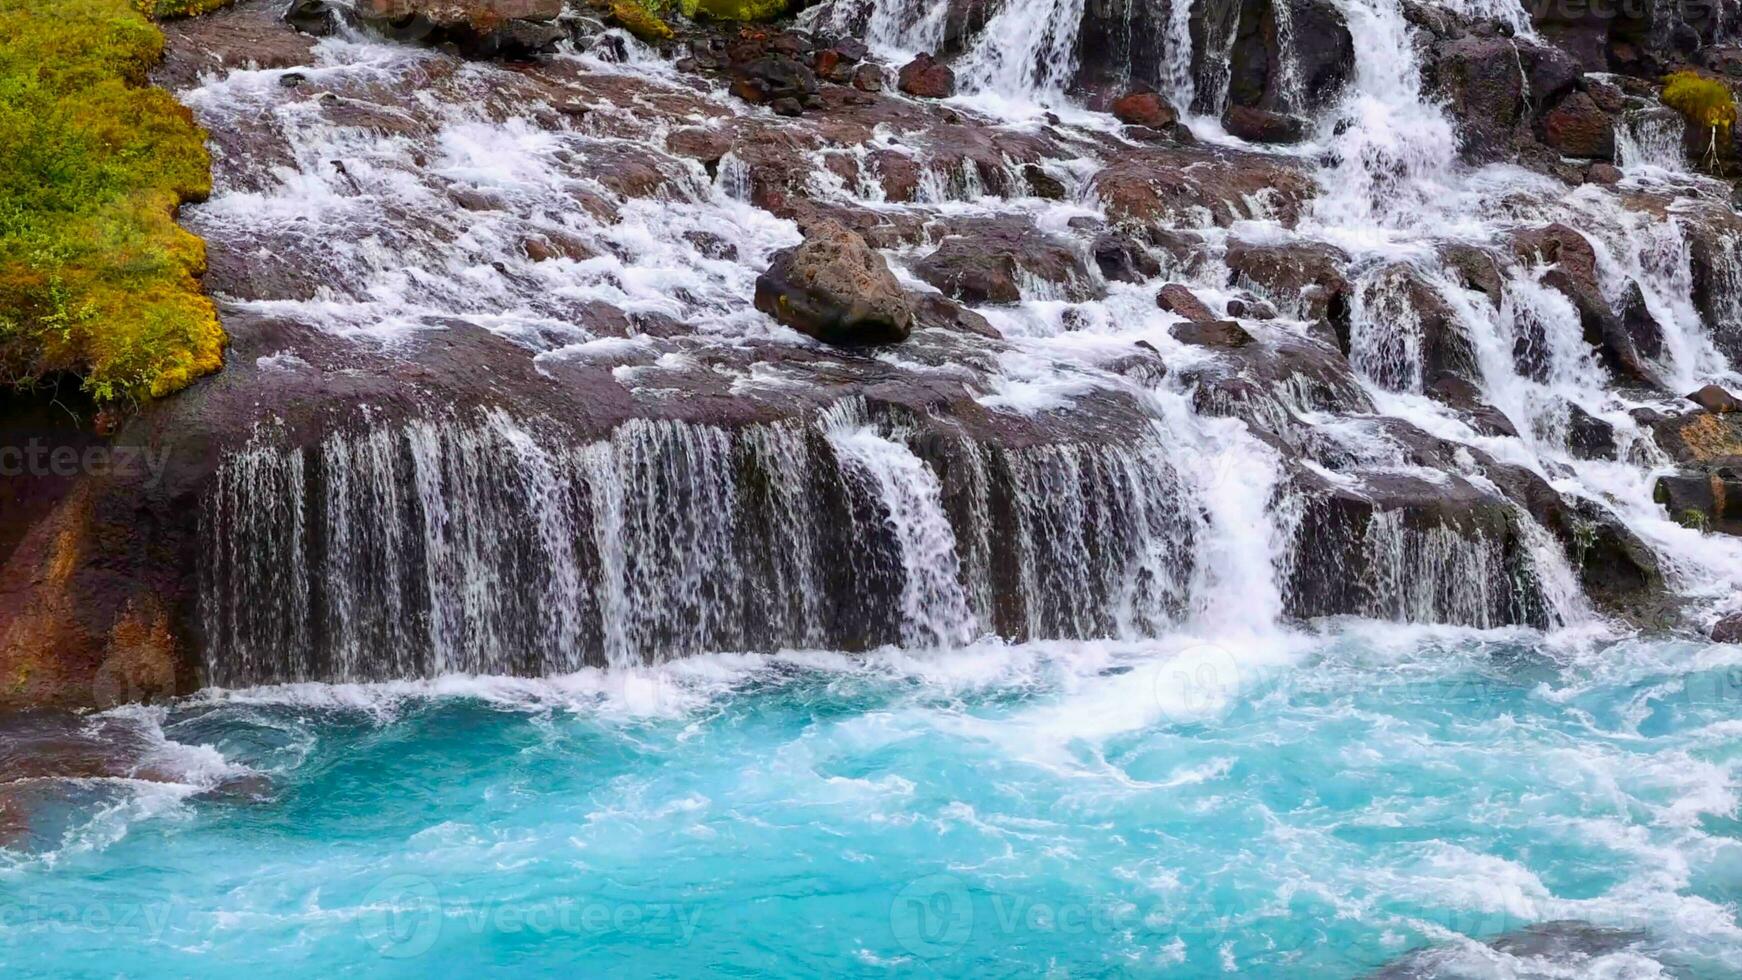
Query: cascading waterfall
x,y
1027,51
479,547
502,545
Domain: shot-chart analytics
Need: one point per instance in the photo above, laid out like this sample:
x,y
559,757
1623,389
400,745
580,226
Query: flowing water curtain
x,y
490,545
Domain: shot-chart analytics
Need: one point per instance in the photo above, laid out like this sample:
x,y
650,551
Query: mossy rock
x,y
96,277
744,10
638,19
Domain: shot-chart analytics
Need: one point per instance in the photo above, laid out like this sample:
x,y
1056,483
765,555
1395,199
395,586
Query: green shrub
x,y
96,278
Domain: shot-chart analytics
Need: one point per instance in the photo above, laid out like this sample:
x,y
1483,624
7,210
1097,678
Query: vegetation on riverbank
x,y
96,278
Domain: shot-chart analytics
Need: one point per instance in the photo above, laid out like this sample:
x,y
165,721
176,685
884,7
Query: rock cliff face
x,y
559,361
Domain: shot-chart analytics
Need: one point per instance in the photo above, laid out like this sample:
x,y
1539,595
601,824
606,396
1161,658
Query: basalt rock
x,y
1144,108
991,261
1158,188
1179,300
1574,275
1263,126
1463,395
927,78
1213,333
1578,127
1248,41
1305,279
835,288
1706,500
1589,437
481,28
1728,629
1716,400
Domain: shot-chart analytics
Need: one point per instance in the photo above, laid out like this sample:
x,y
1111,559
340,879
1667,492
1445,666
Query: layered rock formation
x,y
788,342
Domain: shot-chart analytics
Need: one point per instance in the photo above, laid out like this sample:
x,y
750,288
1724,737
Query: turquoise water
x,y
1281,806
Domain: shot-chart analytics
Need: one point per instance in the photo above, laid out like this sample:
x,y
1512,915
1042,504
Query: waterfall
x,y
1027,51
934,607
491,545
1650,140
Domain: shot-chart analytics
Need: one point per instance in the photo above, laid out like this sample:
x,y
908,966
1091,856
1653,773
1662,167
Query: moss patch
x,y
735,9
166,9
96,278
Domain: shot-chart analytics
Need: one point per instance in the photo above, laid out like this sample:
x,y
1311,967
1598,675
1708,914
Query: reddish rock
x,y
1180,301
1578,127
927,78
1144,109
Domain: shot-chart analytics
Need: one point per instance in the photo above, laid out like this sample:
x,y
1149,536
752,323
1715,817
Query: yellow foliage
x,y
735,9
167,9
96,277
639,20
1702,101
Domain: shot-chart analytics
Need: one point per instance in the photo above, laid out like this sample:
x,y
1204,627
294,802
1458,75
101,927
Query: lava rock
x,y
1122,258
1302,278
988,261
1180,301
1042,184
1145,108
1215,333
478,28
1716,400
1704,500
1577,127
1263,126
1728,629
315,17
927,78
1589,437
1463,395
868,78
836,288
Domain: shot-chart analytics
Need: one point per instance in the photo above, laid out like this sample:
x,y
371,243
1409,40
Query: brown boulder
x,y
836,288
927,78
1579,128
1302,278
1144,108
1215,333
1728,629
989,261
1181,301
1716,400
